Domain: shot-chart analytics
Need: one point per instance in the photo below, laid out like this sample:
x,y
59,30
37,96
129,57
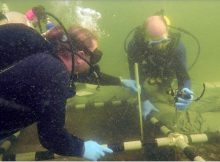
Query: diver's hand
x,y
131,84
147,108
94,151
184,99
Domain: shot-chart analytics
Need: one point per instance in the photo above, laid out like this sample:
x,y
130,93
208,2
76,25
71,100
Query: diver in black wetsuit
x,y
36,79
161,57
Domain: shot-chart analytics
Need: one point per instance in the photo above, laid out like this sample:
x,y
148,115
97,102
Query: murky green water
x,y
119,17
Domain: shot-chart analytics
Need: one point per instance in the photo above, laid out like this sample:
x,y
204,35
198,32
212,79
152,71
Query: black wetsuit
x,y
40,82
153,63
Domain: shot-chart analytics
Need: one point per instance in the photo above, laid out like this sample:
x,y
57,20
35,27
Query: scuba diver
x,y
37,76
13,17
32,18
35,15
161,57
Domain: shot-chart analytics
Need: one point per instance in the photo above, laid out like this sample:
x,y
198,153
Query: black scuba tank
x,y
18,41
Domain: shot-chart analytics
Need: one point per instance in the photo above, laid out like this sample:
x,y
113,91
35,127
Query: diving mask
x,y
95,56
160,43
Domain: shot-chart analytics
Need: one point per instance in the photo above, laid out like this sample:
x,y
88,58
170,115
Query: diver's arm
x,y
109,80
181,67
185,95
102,79
55,137
106,79
183,77
51,113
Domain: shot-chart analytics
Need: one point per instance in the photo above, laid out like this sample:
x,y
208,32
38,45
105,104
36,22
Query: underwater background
x,y
119,17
